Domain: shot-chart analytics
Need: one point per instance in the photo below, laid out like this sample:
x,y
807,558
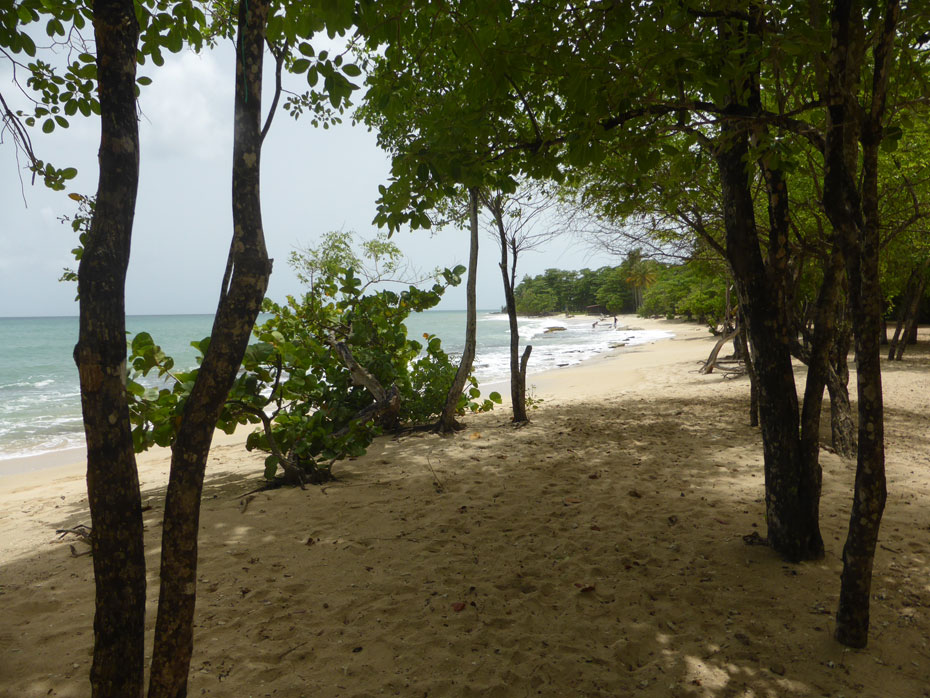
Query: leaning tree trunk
x,y
902,315
447,421
237,311
100,354
907,324
792,496
858,223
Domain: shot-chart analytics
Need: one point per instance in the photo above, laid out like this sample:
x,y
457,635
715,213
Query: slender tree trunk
x,y
508,269
517,372
743,339
792,496
857,222
842,426
100,354
238,308
818,364
902,317
910,309
447,421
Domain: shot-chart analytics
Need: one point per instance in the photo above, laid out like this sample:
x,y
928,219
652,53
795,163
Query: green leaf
x,y
48,126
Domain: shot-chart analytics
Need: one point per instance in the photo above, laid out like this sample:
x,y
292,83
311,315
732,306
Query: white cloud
x,y
187,110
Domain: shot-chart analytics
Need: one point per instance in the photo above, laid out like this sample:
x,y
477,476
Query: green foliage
x,y
80,224
295,385
614,291
696,290
59,91
611,289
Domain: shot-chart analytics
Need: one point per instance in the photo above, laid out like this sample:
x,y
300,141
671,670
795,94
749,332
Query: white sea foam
x,y
574,340
41,409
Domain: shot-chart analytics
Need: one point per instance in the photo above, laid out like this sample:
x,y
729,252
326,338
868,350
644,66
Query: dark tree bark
x,y
842,426
743,339
508,267
447,421
792,496
857,222
238,308
910,308
818,362
100,354
792,483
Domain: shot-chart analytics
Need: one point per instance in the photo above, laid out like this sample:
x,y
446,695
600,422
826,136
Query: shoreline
x,y
74,456
598,550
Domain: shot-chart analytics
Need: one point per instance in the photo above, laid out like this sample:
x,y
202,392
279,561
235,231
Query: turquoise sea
x,y
40,407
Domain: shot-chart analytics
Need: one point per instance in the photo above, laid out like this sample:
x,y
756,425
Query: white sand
x,y
596,552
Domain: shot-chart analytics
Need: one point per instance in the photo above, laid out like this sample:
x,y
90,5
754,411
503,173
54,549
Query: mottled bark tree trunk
x,y
818,362
100,354
792,496
857,222
238,308
792,485
842,426
447,421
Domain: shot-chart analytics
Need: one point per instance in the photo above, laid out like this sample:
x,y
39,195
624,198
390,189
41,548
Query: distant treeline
x,y
696,290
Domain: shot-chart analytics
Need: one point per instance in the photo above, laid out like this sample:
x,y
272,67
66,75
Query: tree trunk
x,y
818,364
857,222
100,355
842,426
508,273
792,496
517,372
743,339
910,309
238,308
447,421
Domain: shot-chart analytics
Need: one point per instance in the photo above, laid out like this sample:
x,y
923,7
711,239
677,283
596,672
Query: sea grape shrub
x,y
295,385
295,375
695,290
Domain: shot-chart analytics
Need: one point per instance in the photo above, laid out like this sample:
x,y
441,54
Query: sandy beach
x,y
597,551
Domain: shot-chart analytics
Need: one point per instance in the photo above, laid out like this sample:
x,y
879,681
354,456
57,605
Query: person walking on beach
x,y
615,322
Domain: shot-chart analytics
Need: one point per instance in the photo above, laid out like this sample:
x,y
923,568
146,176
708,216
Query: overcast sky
x,y
313,181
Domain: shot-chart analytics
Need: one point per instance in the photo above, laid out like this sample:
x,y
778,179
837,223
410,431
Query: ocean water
x,y
40,407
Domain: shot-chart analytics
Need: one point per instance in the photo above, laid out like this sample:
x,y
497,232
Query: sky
x,y
313,181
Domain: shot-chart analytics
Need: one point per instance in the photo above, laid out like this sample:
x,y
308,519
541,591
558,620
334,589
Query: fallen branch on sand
x,y
81,531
